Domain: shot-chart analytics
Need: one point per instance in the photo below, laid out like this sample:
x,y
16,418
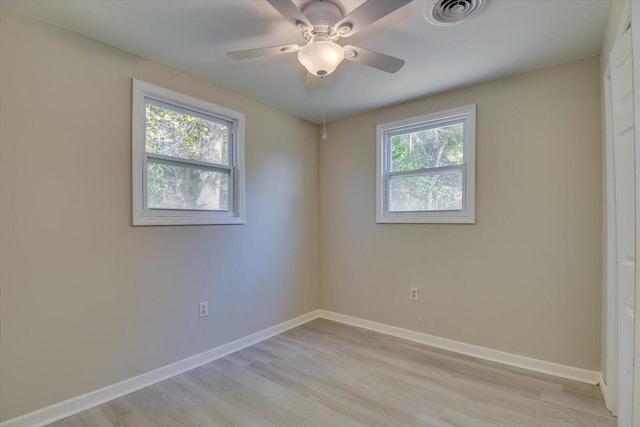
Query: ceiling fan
x,y
322,23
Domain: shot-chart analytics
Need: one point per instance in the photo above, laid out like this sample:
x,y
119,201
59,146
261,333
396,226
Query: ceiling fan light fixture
x,y
321,58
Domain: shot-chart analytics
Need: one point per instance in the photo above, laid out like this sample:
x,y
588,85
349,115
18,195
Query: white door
x,y
620,62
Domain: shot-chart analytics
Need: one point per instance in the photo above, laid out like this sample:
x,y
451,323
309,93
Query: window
x,y
426,169
187,160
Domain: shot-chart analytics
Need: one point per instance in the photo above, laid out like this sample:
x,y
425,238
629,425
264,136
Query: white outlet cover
x,y
203,309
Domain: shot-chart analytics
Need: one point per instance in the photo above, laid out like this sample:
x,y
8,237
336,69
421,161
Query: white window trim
x,y
467,214
142,216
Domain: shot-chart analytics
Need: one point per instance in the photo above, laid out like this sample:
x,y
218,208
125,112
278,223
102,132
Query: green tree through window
x,y
425,149
184,136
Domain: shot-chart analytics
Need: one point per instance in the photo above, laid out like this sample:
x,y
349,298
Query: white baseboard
x,y
83,402
86,401
563,371
605,393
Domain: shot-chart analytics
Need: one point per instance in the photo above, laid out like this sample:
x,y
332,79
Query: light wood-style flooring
x,y
329,374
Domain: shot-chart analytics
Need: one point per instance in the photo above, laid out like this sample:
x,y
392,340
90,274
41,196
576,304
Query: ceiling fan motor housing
x,y
323,15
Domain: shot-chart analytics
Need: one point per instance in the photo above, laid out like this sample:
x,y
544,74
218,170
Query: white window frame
x,y
384,132
142,215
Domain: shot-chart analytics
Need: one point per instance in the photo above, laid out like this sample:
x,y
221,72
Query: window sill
x,y
185,220
416,219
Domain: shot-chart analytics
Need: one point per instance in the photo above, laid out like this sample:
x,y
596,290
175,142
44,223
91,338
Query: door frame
x,y
610,389
611,385
635,51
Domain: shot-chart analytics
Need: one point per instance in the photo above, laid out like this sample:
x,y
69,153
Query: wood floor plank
x,y
328,374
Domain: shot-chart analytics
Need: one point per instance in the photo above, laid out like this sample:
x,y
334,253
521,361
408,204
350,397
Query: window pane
x,y
427,148
181,135
186,187
440,191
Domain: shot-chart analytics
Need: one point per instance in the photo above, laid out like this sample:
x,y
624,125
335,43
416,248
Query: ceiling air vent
x,y
451,12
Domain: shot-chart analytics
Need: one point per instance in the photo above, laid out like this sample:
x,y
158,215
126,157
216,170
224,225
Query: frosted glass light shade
x,y
321,57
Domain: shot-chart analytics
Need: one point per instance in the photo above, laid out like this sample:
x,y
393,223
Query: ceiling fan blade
x,y
372,59
312,82
263,51
290,11
365,14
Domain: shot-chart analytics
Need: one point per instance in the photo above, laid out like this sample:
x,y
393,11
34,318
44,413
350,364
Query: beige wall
x,y
526,277
88,300
613,24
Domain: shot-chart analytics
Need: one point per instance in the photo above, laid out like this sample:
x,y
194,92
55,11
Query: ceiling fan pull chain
x,y
324,124
324,118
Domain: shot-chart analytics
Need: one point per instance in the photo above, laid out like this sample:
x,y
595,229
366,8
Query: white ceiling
x,y
508,37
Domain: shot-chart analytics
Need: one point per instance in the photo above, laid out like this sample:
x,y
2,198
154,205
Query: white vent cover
x,y
451,12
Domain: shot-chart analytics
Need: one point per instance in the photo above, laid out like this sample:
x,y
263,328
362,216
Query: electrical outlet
x,y
413,294
204,308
